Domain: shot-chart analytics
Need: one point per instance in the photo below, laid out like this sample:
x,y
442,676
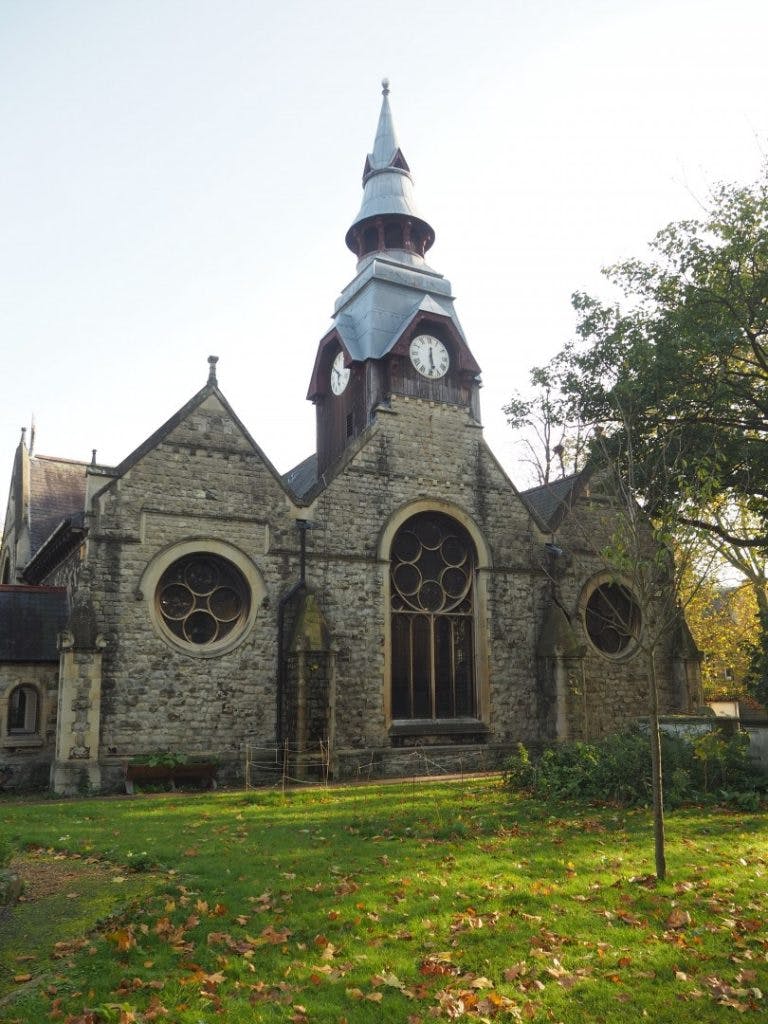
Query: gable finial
x,y
212,360
385,87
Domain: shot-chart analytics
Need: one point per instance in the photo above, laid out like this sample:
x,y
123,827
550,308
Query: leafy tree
x,y
725,625
673,383
683,363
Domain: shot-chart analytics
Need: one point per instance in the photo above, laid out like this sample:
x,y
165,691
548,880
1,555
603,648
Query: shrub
x,y
617,769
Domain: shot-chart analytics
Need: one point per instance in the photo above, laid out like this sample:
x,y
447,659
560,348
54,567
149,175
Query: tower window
x,y
23,710
350,425
432,568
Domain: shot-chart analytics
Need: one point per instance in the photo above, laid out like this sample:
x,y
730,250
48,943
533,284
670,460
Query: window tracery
x,y
432,570
202,598
612,618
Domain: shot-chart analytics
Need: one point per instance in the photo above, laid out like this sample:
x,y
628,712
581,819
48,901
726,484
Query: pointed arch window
x,y
432,573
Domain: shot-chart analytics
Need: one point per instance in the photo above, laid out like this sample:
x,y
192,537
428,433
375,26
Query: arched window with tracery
x,y
432,571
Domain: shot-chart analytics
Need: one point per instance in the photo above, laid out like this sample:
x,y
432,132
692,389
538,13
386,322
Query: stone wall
x,y
25,759
203,483
204,486
609,690
419,455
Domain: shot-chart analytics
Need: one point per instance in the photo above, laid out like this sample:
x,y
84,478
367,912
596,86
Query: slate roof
x,y
303,477
56,492
30,619
551,501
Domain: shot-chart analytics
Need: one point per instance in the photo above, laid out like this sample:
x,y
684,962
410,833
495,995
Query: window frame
x,y
163,560
478,724
33,712
596,585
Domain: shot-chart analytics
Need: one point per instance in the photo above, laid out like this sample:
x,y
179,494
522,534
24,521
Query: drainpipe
x,y
300,584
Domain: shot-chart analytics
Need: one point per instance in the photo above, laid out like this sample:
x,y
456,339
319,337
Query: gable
x,y
186,454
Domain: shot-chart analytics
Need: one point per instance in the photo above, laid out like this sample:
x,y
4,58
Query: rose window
x,y
202,598
612,618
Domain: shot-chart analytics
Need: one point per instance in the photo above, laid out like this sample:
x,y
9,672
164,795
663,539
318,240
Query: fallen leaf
x,y
678,918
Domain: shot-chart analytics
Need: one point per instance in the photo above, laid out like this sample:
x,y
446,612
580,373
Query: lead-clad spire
x,y
388,218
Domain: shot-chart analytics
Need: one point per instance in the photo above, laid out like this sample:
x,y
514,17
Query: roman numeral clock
x,y
429,356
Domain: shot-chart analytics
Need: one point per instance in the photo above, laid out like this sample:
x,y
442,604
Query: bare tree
x,y
552,446
648,557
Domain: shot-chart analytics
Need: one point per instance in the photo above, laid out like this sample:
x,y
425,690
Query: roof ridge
x,y
58,458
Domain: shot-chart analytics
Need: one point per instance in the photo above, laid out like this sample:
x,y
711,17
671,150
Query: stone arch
x,y
24,710
462,712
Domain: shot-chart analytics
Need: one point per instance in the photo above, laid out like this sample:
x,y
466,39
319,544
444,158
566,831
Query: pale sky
x,y
177,177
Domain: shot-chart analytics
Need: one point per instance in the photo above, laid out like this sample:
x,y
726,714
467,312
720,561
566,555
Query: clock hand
x,y
431,359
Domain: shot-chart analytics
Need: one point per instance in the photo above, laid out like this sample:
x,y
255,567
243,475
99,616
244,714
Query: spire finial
x,y
387,193
212,360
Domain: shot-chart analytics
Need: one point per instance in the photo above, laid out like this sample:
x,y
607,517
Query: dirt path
x,y
63,899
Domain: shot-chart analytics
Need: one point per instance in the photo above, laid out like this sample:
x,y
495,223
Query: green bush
x,y
617,769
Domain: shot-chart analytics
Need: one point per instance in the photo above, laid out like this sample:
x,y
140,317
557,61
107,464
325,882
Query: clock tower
x,y
395,330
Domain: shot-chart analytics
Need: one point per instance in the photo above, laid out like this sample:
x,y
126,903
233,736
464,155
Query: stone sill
x,y
21,742
437,727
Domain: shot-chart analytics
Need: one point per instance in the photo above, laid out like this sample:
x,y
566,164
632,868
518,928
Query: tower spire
x,y
388,218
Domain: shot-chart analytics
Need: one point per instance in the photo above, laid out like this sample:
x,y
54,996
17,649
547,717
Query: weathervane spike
x,y
385,87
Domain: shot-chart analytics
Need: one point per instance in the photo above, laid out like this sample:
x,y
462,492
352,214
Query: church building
x,y
393,601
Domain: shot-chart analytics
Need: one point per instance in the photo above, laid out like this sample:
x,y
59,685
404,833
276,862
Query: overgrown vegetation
x,y
617,769
400,903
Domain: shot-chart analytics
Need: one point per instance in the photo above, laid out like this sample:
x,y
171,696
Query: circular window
x,y
203,599
612,618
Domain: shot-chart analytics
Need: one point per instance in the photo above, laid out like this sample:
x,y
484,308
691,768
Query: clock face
x,y
430,356
339,374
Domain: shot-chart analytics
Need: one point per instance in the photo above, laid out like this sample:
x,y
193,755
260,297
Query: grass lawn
x,y
405,903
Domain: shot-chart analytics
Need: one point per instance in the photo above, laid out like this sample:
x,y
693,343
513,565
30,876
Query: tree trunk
x,y
656,770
